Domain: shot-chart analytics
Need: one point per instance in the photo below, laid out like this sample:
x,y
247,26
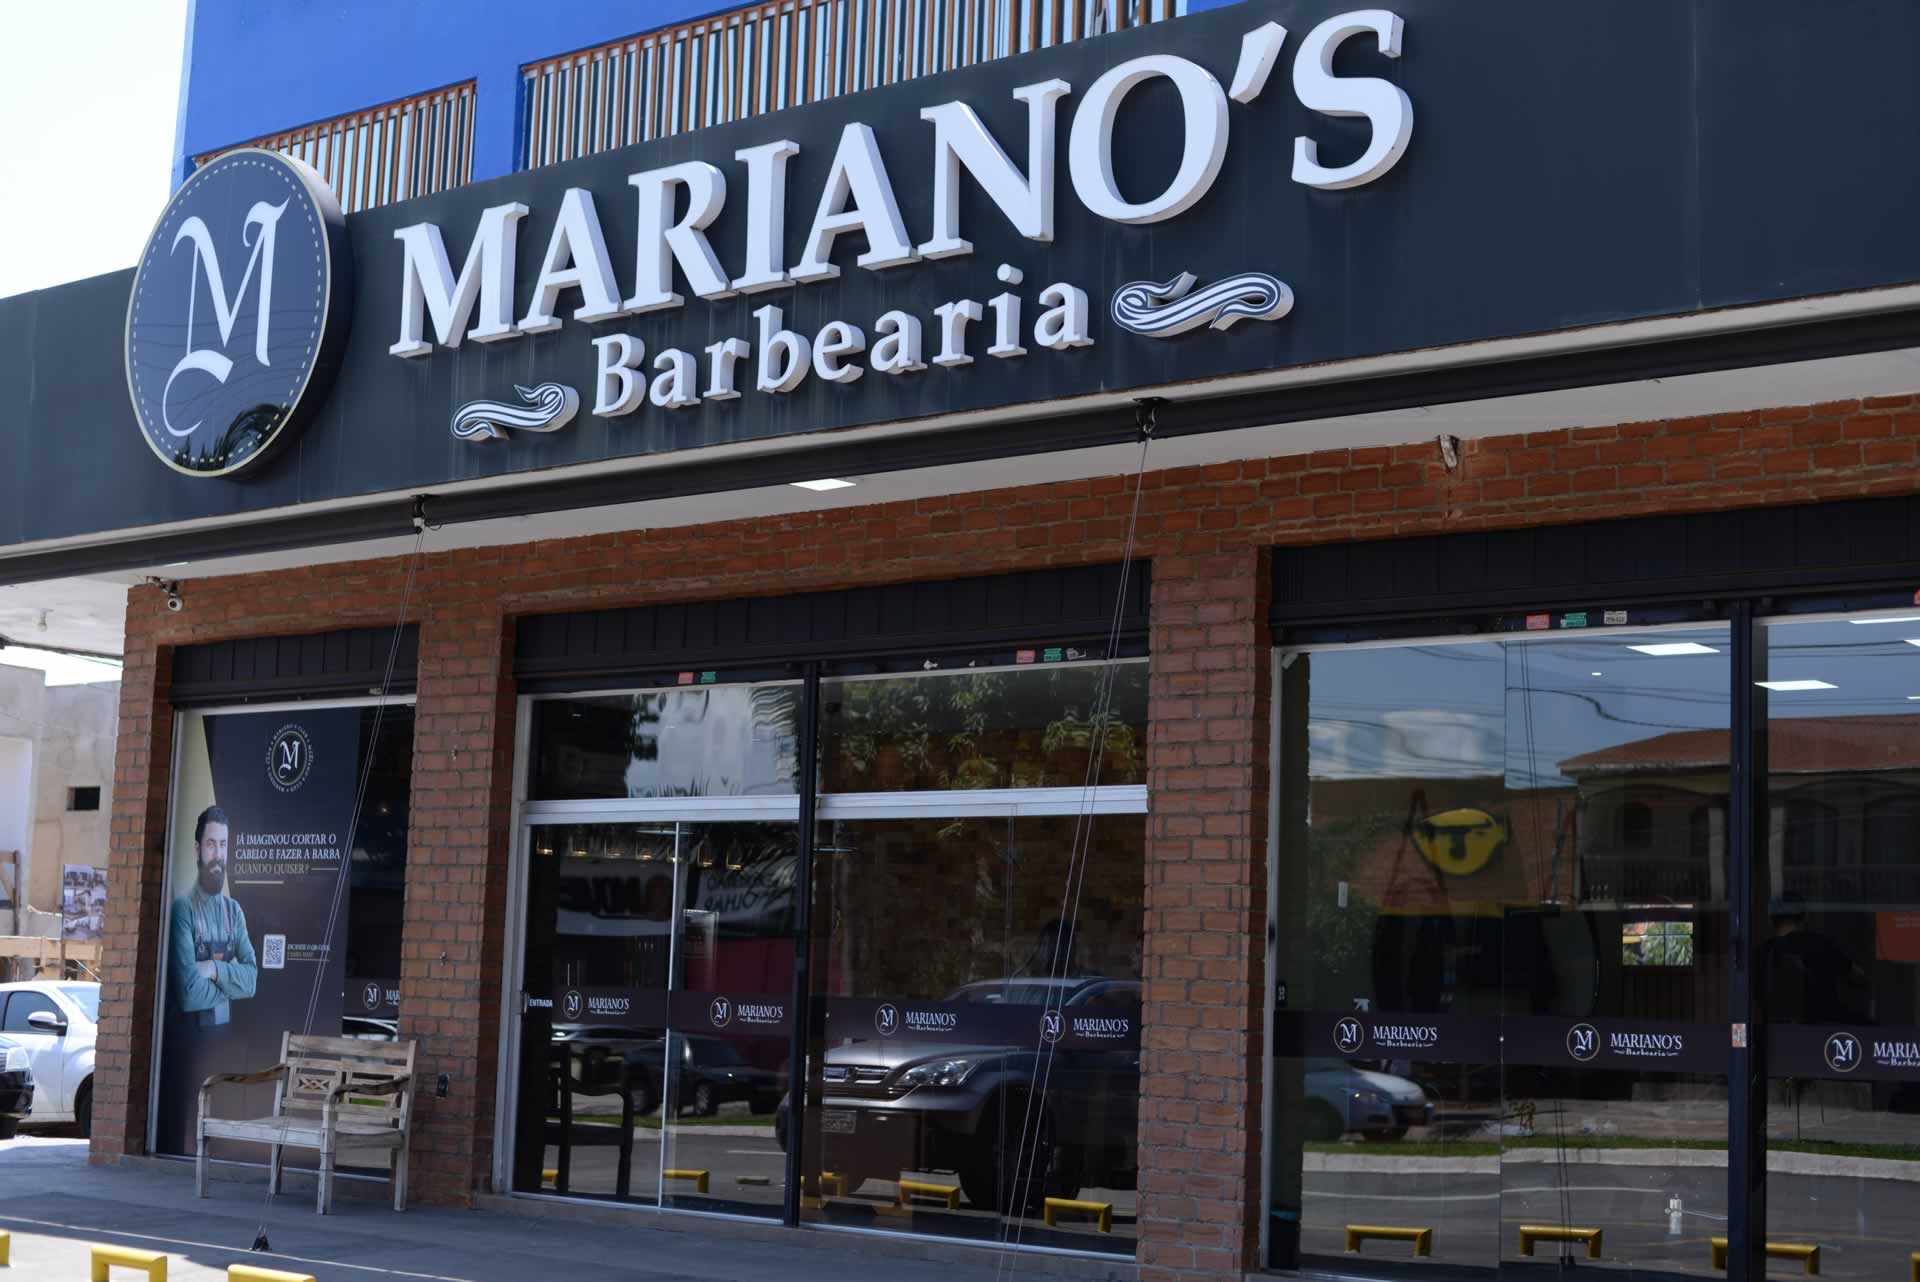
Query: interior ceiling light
x,y
1797,685
1669,649
823,484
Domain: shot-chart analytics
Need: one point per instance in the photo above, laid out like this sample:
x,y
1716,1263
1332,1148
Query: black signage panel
x,y
1209,212
732,1015
1618,1045
610,1007
1534,1040
913,1023
372,998
1858,1052
1368,1035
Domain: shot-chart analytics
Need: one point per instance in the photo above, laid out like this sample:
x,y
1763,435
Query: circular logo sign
x,y
1051,1026
1349,1035
572,1004
887,1019
370,996
1583,1041
289,758
721,1012
238,313
1843,1052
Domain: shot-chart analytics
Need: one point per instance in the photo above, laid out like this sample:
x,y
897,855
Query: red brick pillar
x,y
1207,750
136,886
458,848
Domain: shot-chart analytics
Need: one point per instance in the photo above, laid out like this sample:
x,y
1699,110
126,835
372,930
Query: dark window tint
x,y
1013,728
21,1005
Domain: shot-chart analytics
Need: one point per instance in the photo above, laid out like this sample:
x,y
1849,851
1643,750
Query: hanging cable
x,y
341,883
1028,1151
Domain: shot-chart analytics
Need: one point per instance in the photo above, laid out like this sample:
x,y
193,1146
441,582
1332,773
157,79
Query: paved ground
x,y
55,1206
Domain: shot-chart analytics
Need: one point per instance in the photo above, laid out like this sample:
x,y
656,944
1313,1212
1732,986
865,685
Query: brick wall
x,y
1204,528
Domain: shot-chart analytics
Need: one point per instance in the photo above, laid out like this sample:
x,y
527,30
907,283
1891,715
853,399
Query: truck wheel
x,y
83,1109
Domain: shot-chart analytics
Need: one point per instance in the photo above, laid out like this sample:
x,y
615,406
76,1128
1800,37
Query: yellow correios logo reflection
x,y
1459,842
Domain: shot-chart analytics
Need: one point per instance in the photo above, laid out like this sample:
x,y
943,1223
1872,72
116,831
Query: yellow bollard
x,y
699,1178
1422,1238
948,1193
152,1263
254,1273
1055,1206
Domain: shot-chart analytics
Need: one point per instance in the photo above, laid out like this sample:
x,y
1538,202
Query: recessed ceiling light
x,y
1892,618
1668,649
824,483
1797,685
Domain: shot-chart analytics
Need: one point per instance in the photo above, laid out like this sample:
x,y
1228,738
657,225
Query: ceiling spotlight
x,y
822,485
1670,649
1797,685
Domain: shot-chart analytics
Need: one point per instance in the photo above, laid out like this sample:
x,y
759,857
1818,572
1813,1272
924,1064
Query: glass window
x,y
21,1005
698,741
1841,951
1002,728
86,997
1501,953
988,1058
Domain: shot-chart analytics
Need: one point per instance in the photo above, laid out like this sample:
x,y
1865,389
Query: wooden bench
x,y
329,1094
1102,1212
152,1263
1422,1239
1807,1255
1531,1233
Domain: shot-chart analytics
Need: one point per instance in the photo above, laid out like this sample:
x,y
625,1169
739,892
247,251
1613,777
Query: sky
x,y
88,105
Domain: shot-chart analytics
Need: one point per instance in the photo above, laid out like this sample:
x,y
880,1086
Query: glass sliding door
x,y
979,873
658,965
656,1036
1840,957
1501,953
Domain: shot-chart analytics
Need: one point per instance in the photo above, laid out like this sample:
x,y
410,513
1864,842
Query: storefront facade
x,y
1282,766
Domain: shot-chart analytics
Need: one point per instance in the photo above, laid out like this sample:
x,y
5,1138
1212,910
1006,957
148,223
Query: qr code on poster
x,y
273,952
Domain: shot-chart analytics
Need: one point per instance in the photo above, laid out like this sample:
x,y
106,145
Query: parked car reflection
x,y
708,1072
907,1103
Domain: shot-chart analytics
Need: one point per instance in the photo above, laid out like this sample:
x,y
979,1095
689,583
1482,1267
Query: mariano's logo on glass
x,y
238,312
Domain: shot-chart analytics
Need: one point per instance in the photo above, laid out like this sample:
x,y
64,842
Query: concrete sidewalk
x,y
55,1206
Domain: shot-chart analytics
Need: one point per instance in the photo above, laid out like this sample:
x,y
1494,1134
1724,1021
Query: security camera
x,y
174,603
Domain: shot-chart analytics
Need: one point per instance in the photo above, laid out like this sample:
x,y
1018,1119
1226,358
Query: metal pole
x,y
800,1002
1747,893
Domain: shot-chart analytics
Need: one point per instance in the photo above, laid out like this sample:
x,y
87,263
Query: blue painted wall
x,y
255,67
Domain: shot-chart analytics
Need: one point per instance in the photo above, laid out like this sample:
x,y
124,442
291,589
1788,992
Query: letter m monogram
x,y
257,233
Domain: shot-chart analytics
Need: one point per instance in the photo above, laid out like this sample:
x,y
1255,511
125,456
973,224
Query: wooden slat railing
x,y
392,152
769,56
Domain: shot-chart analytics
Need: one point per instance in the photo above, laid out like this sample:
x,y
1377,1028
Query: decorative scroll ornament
x,y
549,407
1165,309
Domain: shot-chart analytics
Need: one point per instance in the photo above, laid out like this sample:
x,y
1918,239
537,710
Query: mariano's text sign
x,y
1176,210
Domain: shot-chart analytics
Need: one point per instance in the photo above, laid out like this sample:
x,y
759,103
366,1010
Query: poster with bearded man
x,y
257,918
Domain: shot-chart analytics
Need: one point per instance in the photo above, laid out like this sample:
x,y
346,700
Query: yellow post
x,y
699,1178
152,1263
254,1273
6,1249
